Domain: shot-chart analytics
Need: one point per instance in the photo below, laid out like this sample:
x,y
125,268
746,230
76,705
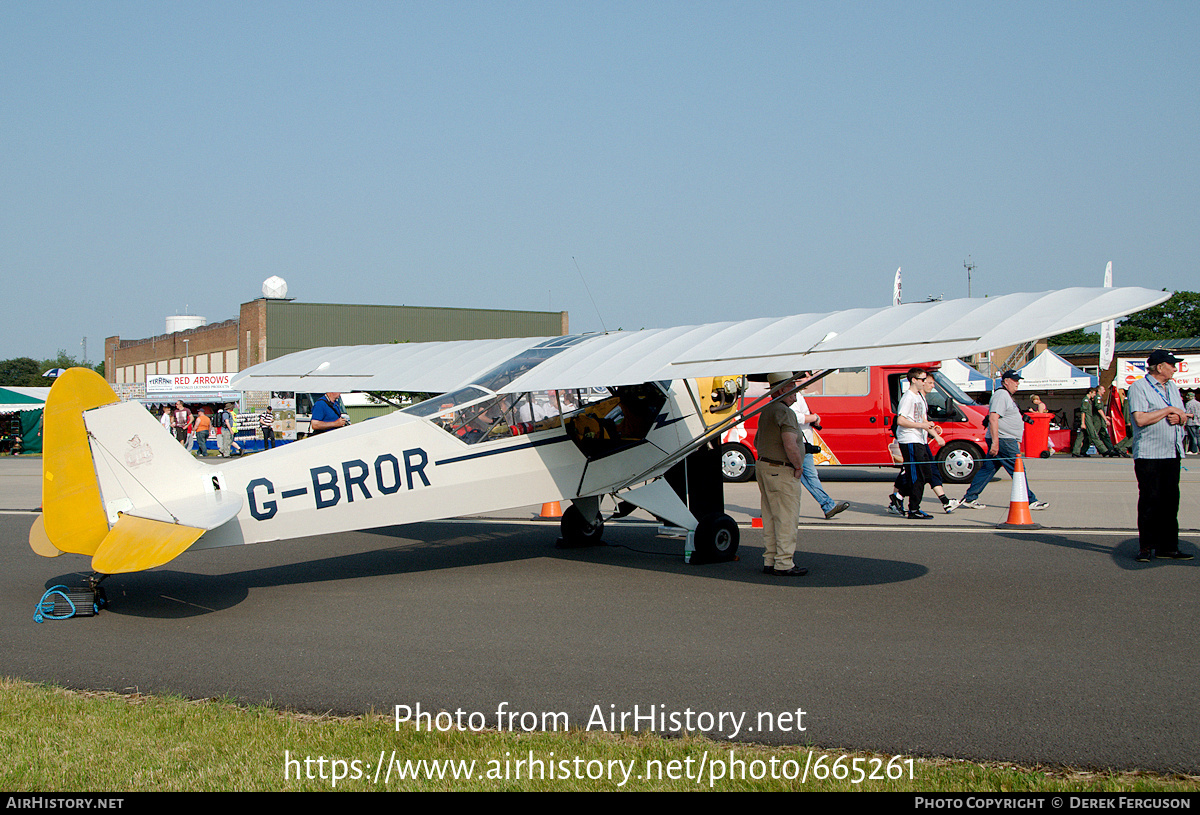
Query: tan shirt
x,y
772,424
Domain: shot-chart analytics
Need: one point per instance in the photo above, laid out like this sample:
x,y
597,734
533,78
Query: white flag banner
x,y
896,288
1108,330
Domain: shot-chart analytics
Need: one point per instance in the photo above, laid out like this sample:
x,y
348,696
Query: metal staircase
x,y
1021,352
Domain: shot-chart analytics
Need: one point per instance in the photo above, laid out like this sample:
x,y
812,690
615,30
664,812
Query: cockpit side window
x,y
617,422
464,415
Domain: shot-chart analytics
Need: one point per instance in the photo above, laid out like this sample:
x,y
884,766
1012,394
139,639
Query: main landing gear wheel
x,y
716,539
578,532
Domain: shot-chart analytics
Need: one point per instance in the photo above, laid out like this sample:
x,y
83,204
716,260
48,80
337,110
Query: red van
x,y
858,410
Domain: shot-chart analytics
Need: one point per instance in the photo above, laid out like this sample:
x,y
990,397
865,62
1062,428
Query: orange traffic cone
x,y
551,510
1018,503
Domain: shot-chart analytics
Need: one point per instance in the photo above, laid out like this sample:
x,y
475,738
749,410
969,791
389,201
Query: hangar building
x,y
267,328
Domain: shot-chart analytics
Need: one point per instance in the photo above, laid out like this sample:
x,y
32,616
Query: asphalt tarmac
x,y
946,638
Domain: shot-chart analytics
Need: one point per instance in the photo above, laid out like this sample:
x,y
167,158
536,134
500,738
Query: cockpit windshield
x,y
477,413
447,401
510,369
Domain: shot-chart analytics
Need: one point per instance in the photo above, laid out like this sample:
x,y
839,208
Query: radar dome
x,y
274,288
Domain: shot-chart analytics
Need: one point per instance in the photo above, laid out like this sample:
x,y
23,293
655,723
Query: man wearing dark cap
x,y
1005,427
1158,422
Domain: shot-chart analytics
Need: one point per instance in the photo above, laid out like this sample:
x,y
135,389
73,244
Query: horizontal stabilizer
x,y
135,544
205,511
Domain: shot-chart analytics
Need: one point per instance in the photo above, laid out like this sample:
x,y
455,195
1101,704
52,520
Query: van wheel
x,y
737,462
959,461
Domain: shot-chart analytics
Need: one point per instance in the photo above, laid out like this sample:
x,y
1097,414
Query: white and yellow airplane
x,y
515,427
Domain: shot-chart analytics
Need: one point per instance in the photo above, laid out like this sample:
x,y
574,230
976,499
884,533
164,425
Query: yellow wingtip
x,y
73,512
137,544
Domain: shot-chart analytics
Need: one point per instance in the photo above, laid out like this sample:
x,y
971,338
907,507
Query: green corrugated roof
x,y
293,326
1127,348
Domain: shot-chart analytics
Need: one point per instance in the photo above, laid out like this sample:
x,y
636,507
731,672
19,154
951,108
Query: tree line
x,y
1178,318
26,372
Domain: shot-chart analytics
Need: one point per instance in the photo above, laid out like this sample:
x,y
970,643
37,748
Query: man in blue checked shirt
x,y
1158,422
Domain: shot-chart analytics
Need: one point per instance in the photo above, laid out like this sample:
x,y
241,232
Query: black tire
x,y
716,538
737,462
959,461
576,531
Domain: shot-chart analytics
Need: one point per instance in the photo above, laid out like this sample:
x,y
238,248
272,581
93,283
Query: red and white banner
x,y
177,383
1187,373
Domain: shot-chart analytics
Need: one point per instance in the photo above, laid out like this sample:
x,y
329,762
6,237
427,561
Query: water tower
x,y
182,322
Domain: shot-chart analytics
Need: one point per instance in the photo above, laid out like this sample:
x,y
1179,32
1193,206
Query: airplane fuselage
x,y
403,469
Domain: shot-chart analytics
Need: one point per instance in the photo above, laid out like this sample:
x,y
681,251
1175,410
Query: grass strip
x,y
60,740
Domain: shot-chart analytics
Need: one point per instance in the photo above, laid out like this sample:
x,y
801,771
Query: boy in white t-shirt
x,y
912,434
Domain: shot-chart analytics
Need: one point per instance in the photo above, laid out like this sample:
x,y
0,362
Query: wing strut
x,y
750,411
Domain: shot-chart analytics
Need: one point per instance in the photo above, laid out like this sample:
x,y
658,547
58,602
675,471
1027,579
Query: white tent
x,y
1048,372
964,376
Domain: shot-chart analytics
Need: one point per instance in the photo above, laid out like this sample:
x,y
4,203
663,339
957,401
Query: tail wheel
x,y
578,531
716,538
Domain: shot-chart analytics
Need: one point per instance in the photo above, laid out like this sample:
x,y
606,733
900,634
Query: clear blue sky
x,y
700,161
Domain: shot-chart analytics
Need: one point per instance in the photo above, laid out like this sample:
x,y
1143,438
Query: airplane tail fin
x,y
115,486
72,510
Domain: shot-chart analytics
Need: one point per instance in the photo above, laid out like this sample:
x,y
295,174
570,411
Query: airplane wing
x,y
425,367
895,335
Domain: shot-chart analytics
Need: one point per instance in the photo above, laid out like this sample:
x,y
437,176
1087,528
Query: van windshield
x,y
950,389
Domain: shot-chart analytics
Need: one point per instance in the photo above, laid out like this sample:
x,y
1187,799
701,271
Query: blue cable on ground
x,y
45,606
